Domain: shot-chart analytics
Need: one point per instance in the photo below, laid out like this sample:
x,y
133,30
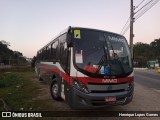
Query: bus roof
x,y
69,28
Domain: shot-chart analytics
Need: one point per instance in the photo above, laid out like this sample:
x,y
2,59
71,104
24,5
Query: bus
x,y
87,68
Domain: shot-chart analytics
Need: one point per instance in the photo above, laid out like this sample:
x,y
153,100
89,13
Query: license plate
x,y
110,99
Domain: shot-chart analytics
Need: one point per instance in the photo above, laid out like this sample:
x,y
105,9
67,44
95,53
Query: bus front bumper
x,y
96,100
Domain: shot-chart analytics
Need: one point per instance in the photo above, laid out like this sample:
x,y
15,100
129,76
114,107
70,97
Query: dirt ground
x,y
45,95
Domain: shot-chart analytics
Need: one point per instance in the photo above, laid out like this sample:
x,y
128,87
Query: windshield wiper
x,y
100,64
121,65
106,58
117,59
103,59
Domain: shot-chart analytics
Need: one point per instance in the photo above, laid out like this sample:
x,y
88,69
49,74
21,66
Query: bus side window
x,y
64,55
54,45
40,55
61,52
53,51
49,52
46,55
43,52
57,55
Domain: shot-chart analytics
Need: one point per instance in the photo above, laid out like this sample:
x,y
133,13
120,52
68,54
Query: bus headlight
x,y
79,85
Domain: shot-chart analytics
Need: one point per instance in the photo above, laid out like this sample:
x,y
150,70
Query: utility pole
x,y
131,27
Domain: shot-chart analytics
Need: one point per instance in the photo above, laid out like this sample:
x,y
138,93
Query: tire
x,y
54,89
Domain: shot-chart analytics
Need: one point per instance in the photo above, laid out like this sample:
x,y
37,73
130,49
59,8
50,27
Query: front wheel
x,y
54,89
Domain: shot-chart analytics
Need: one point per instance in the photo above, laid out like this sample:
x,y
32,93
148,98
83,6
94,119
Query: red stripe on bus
x,y
87,80
63,75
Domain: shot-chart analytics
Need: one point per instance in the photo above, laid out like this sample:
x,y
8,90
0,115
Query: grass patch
x,y
20,92
17,90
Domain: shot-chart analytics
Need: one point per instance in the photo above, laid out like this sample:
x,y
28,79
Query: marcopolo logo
x,y
6,114
109,80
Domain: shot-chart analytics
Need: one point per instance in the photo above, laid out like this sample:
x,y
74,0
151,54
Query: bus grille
x,y
107,88
109,91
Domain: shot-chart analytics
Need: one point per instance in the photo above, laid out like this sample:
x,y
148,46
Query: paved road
x,y
148,78
146,95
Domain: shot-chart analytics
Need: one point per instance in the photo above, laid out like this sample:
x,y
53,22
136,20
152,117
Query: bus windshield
x,y
101,53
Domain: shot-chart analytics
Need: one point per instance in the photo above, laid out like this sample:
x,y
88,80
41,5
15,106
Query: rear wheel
x,y
54,89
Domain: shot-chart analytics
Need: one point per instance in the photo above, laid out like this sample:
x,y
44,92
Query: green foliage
x,y
144,52
23,92
155,45
7,79
16,90
8,56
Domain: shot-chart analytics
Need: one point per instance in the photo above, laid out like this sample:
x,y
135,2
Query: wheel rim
x,y
55,90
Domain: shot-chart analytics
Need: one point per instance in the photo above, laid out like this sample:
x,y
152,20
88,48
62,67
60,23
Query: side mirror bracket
x,y
69,38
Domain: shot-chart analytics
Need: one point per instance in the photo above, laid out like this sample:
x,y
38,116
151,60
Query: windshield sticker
x,y
102,70
115,39
106,70
79,57
77,34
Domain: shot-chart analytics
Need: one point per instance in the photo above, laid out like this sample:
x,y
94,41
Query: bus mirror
x,y
69,40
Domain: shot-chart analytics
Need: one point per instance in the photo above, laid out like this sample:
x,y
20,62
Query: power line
x,y
142,10
145,10
139,4
127,28
143,6
125,25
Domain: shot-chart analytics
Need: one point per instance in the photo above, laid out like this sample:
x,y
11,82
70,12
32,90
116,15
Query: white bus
x,y
87,68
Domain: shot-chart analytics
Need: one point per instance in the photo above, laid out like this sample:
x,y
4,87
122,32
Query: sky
x,y
30,24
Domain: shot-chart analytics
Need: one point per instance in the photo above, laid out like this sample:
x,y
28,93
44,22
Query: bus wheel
x,y
55,91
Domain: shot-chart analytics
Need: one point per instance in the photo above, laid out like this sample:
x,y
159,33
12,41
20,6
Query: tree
x,y
142,53
155,45
5,43
8,56
4,51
